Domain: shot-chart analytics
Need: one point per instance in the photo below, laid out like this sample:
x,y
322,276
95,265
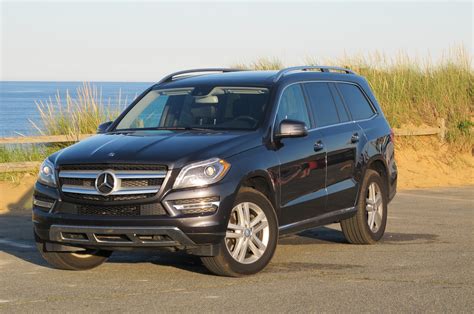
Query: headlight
x,y
46,173
201,173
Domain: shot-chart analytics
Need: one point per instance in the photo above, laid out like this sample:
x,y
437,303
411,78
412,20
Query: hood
x,y
171,148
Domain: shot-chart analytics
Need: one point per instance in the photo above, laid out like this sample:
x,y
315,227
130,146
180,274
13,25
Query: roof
x,y
253,78
240,78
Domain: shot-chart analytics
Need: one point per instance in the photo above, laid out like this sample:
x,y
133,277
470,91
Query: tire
x,y
72,261
356,229
250,256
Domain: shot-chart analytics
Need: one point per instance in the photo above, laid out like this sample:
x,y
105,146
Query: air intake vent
x,y
122,211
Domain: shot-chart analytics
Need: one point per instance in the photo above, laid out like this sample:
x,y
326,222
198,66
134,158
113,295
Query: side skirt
x,y
320,220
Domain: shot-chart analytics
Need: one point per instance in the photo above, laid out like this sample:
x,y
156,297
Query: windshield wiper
x,y
170,128
185,128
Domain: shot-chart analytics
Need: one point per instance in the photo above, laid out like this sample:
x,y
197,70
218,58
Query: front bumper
x,y
120,236
197,234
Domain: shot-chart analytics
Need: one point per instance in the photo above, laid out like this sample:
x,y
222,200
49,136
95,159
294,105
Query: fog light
x,y
190,206
43,203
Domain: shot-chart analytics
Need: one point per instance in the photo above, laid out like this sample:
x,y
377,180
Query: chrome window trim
x,y
376,113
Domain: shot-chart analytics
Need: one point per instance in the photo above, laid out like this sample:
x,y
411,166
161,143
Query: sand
x,y
428,163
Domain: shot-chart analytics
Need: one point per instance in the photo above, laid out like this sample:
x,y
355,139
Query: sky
x,y
142,41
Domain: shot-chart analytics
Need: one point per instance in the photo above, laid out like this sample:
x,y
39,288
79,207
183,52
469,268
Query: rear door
x,y
302,162
341,139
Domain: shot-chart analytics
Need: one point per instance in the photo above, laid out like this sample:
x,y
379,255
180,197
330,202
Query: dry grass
x,y
413,91
78,114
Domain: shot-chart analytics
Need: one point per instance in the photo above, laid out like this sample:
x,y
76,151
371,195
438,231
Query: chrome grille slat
x,y
121,191
92,174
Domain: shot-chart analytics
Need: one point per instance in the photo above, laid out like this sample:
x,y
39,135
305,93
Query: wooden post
x,y
442,129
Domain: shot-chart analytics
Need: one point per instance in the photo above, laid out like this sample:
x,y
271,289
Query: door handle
x,y
318,146
355,138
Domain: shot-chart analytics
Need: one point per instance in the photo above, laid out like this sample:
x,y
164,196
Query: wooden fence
x,y
440,131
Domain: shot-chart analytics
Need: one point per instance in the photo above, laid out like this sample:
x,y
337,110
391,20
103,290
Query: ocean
x,y
17,100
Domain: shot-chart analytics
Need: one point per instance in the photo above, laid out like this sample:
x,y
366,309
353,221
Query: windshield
x,y
239,108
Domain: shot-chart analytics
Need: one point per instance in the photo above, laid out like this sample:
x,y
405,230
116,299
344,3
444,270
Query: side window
x,y
292,106
355,100
322,103
341,109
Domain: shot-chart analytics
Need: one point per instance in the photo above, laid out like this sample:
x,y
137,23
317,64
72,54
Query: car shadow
x,y
24,201
16,239
314,236
178,260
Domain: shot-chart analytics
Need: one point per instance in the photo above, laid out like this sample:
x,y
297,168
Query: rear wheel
x,y
251,237
81,260
367,226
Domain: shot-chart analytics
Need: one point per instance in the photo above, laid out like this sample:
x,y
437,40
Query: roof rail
x,y
169,77
321,68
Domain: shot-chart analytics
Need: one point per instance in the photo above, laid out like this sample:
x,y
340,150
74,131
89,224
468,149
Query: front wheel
x,y
251,237
81,260
367,226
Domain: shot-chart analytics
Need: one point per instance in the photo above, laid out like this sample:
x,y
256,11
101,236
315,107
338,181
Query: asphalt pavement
x,y
424,263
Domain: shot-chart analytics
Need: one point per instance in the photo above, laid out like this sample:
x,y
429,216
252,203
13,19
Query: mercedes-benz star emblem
x,y
105,183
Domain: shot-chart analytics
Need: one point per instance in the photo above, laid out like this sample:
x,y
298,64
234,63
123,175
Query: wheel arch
x,y
378,164
262,182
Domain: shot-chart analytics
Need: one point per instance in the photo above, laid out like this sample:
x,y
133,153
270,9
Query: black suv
x,y
220,163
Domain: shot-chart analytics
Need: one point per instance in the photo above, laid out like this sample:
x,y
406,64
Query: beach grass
x,y
80,113
412,91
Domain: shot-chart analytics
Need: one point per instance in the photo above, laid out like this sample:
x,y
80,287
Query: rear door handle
x,y
318,146
355,138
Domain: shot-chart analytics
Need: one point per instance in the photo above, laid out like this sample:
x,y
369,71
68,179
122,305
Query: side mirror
x,y
104,127
292,128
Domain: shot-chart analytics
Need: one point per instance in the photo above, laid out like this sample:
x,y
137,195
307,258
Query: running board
x,y
317,221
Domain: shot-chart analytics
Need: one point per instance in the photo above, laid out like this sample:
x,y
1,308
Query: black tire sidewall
x,y
248,195
67,260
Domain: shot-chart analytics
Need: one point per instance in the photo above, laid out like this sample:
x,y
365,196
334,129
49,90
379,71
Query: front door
x,y
302,163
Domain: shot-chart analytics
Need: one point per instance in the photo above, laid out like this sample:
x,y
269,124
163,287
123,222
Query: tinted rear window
x,y
355,100
322,104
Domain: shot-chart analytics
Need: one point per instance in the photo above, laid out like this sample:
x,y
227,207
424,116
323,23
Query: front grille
x,y
73,181
125,182
109,198
121,211
130,182
109,211
126,167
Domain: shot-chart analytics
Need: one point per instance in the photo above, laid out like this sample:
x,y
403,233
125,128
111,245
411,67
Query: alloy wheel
x,y
374,207
248,233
